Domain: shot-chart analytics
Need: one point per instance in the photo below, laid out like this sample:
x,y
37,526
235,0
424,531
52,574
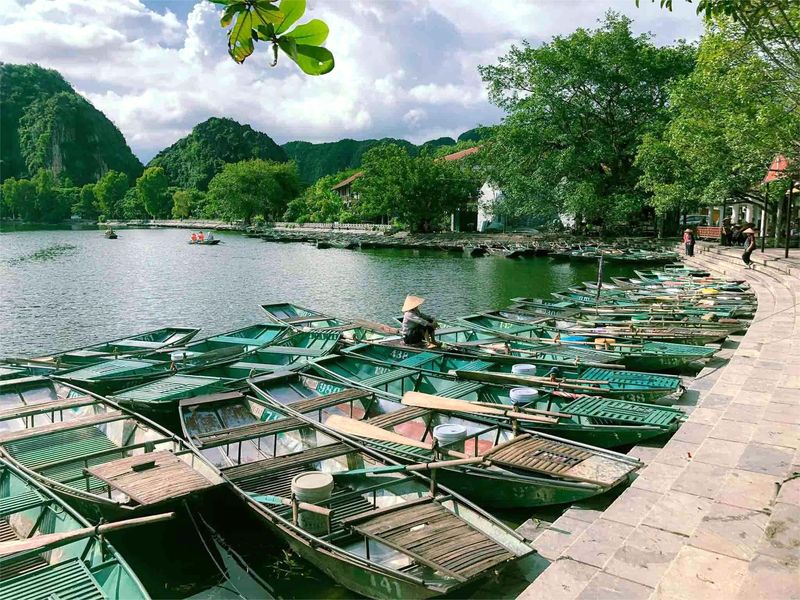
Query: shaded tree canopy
x,y
577,110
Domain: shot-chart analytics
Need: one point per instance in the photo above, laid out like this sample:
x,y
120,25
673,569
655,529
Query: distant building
x,y
345,188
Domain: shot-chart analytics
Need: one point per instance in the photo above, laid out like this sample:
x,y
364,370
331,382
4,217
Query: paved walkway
x,y
715,514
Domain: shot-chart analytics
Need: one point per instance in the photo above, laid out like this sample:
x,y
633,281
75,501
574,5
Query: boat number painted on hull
x,y
385,583
326,388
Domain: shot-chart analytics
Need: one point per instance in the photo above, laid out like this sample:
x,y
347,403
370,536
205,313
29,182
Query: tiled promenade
x,y
715,514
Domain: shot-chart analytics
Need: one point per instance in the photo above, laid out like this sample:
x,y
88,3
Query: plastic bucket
x,y
313,487
523,369
450,436
523,395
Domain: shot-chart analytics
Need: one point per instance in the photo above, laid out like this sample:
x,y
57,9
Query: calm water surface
x,y
65,289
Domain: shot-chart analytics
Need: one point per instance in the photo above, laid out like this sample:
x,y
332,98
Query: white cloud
x,y
403,69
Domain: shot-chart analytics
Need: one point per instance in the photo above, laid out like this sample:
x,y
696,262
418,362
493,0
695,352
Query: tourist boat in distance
x,y
498,486
211,242
379,529
584,424
110,235
47,550
593,381
135,345
106,461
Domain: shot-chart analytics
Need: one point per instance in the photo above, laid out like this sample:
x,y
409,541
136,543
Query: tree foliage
x,y
110,190
87,206
152,187
46,125
729,118
578,108
251,21
319,203
248,188
192,161
419,192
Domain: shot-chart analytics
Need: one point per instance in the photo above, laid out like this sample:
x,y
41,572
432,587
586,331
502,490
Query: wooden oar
x,y
380,327
269,499
587,343
450,404
535,411
511,378
54,540
439,464
365,430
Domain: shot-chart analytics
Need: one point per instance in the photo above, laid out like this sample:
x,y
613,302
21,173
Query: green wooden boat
x,y
352,330
217,359
591,380
135,345
490,486
238,341
81,566
106,461
600,422
380,540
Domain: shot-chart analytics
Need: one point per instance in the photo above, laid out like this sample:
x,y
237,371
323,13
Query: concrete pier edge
x,y
716,511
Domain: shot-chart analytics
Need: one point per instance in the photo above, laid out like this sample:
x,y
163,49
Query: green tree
x,y
152,187
252,187
418,191
87,206
728,120
110,190
131,207
20,198
8,206
577,109
319,203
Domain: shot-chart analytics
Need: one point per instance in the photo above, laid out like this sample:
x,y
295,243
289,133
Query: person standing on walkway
x,y
749,246
688,241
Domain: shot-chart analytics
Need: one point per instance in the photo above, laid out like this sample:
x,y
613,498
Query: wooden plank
x,y
169,478
44,407
33,432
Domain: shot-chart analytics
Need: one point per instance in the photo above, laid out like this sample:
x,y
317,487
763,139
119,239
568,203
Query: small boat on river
x,y
106,461
380,529
47,550
624,417
418,416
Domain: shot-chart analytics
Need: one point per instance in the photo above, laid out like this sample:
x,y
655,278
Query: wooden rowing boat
x,y
108,462
382,533
135,345
47,550
305,319
593,380
597,421
509,486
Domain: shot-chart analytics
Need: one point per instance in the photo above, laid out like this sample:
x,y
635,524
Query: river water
x,y
61,289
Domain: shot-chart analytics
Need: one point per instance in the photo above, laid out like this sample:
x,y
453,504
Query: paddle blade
x,y
365,430
448,404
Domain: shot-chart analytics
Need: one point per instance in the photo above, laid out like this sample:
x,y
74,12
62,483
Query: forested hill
x,y
46,124
192,161
318,160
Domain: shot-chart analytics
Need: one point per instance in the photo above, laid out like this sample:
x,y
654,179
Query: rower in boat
x,y
194,237
417,326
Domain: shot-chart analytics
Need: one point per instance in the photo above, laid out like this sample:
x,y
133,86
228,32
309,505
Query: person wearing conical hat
x,y
749,246
688,241
417,326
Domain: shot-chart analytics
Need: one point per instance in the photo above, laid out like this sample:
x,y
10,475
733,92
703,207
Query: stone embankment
x,y
382,236
716,511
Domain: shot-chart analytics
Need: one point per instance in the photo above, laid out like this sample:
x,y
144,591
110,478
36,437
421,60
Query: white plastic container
x,y
523,369
523,395
450,436
313,487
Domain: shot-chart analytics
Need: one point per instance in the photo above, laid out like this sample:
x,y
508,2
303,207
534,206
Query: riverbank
x,y
353,236
716,513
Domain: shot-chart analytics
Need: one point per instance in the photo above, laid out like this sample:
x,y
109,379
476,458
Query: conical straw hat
x,y
749,230
412,302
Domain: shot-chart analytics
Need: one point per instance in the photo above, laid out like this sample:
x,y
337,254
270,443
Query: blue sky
x,y
404,68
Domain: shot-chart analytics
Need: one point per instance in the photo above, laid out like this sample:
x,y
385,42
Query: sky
x,y
404,68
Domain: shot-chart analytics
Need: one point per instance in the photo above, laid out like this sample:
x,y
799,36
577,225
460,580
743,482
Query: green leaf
x,y
265,32
289,46
292,10
230,12
265,12
313,60
240,37
223,2
313,33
